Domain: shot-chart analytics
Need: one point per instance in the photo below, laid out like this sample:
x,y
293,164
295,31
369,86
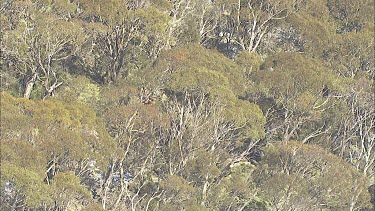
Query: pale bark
x,y
29,86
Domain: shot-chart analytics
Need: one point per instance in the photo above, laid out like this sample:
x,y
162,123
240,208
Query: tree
x,y
119,28
353,135
294,175
296,100
192,68
351,16
37,47
181,11
61,139
349,54
186,105
128,174
245,23
306,30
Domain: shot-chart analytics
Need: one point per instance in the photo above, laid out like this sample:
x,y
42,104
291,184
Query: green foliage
x,y
317,9
351,16
79,90
247,115
292,172
202,168
51,135
27,183
299,74
179,194
350,54
214,74
198,65
236,187
11,151
123,38
38,45
176,185
312,35
249,62
128,106
117,95
69,185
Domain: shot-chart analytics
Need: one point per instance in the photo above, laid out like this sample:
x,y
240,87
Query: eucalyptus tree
x,y
36,47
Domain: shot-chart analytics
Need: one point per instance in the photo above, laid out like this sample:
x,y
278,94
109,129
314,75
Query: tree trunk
x,y
204,191
29,86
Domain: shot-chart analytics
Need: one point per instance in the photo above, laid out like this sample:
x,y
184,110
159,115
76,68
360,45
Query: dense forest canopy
x,y
187,105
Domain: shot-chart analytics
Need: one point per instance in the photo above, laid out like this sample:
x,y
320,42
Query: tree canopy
x,y
187,105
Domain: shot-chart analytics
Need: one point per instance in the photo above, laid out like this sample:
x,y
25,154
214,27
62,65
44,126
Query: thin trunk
x,y
29,86
123,185
204,192
107,184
